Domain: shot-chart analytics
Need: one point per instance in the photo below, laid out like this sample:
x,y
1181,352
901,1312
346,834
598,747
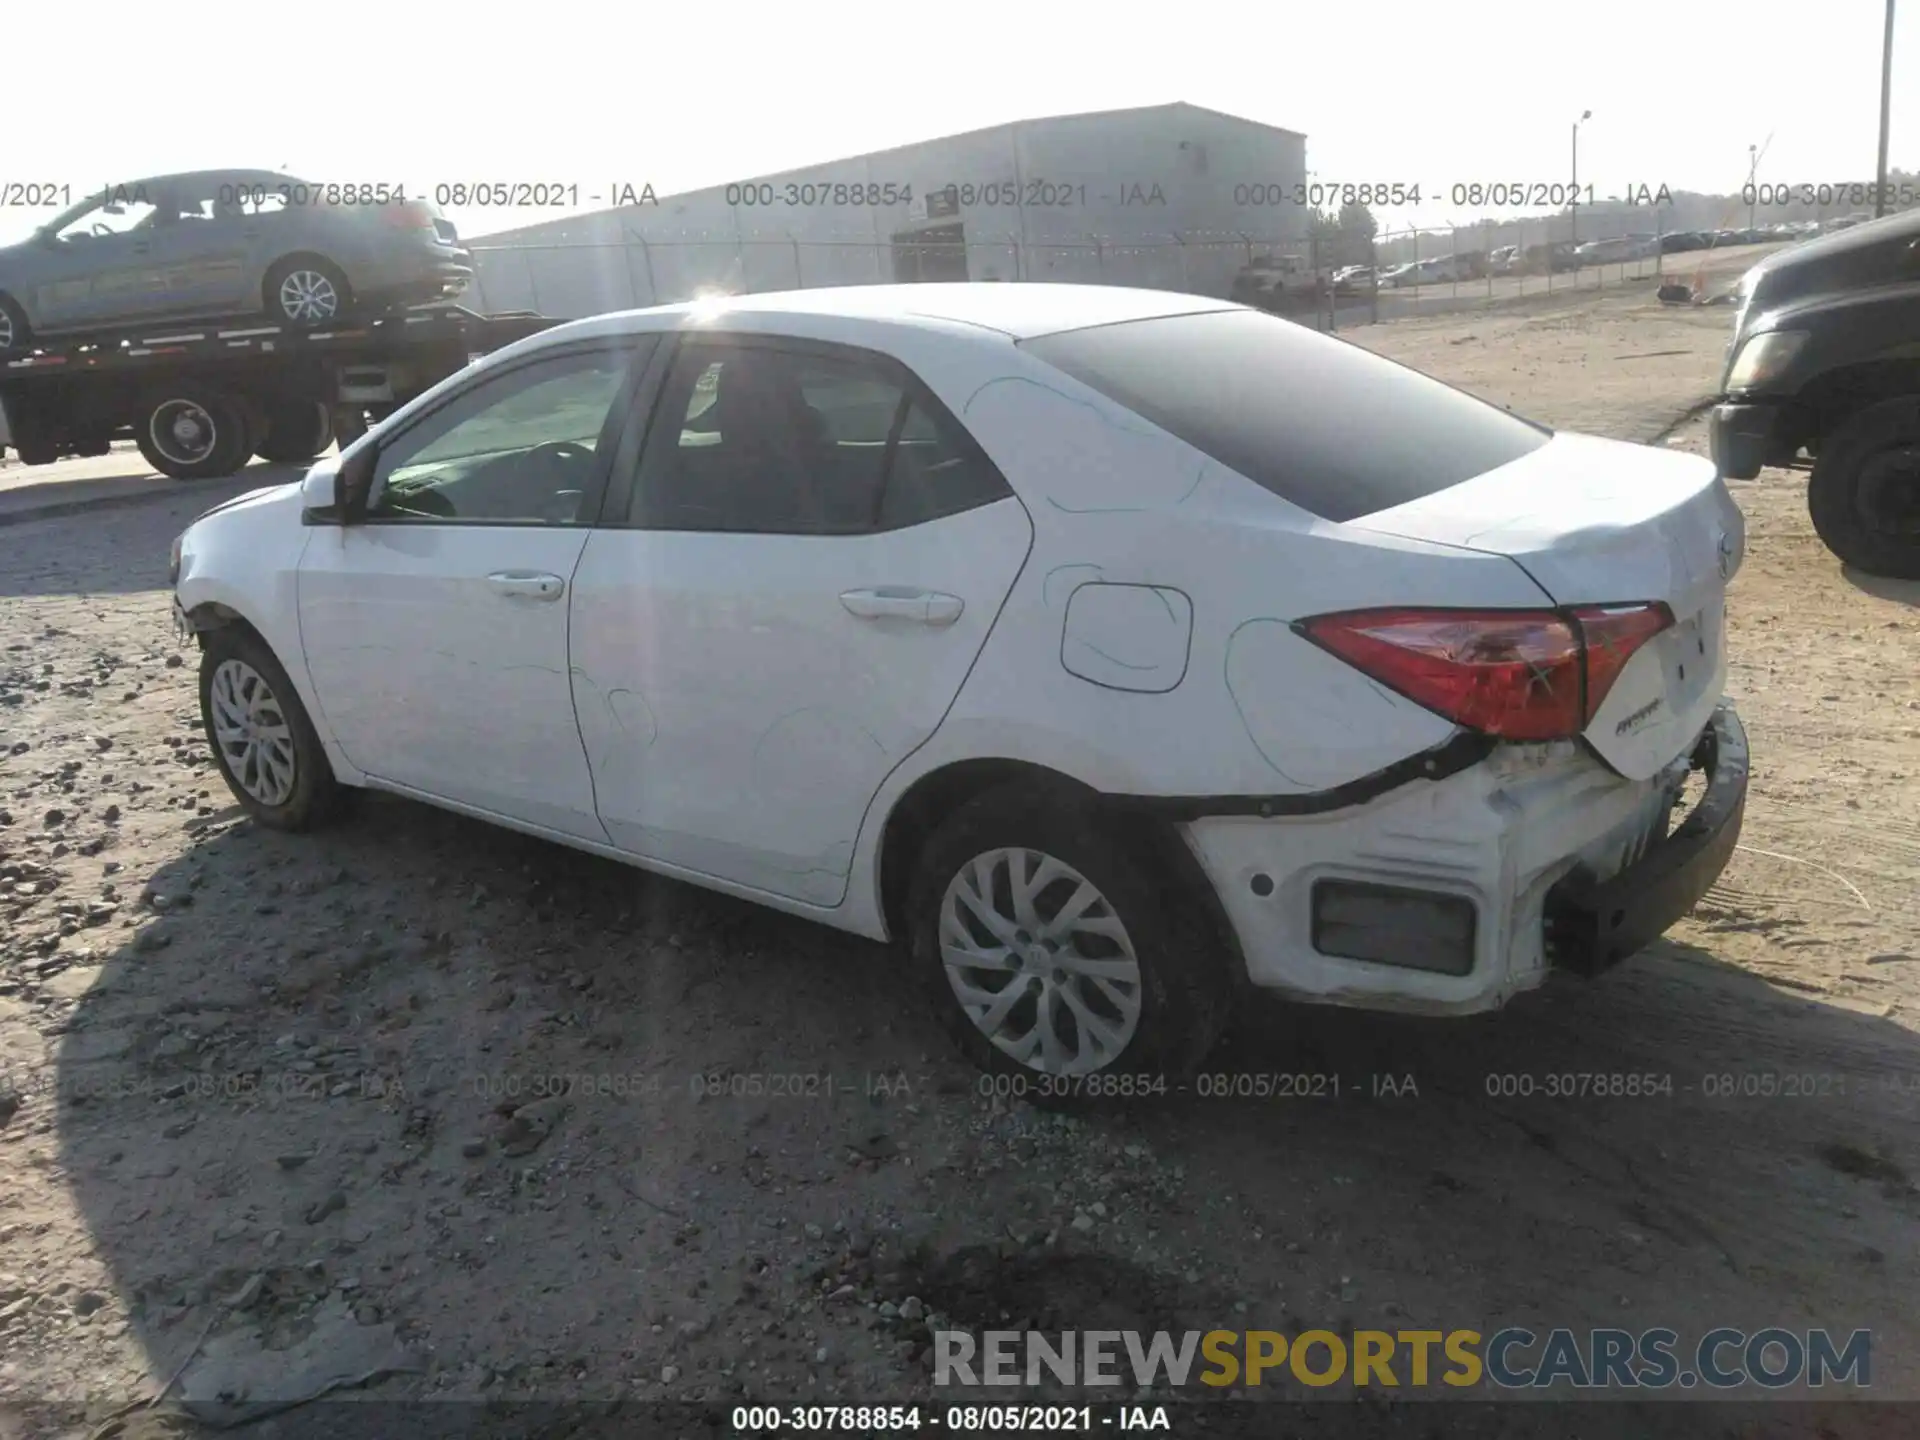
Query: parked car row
x,y
1556,257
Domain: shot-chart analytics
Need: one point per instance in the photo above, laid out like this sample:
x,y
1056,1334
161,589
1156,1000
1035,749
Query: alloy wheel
x,y
309,296
1040,961
6,329
252,732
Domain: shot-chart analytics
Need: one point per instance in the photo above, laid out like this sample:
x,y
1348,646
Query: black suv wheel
x,y
1864,496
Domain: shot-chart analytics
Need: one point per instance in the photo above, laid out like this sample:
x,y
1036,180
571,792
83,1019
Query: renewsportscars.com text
x,y
1513,1358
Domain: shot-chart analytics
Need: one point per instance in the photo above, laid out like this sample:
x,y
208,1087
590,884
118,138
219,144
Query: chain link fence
x,y
1334,279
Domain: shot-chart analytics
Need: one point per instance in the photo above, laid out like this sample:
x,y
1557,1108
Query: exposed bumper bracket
x,y
1591,927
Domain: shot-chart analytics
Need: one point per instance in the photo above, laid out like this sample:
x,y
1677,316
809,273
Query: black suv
x,y
1826,358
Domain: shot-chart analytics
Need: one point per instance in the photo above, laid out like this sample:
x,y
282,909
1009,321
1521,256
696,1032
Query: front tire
x,y
192,433
264,743
1053,952
307,292
1864,494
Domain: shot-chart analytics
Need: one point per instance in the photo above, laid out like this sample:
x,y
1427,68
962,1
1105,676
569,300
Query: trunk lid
x,y
1600,522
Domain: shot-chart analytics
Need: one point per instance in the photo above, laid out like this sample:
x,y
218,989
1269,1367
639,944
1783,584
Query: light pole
x,y
1886,98
1573,218
1753,169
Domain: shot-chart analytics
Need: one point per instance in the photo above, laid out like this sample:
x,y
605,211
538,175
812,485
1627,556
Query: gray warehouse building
x,y
1172,197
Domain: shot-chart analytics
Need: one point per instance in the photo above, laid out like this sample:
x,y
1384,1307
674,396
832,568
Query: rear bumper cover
x,y
1743,438
1591,927
1529,832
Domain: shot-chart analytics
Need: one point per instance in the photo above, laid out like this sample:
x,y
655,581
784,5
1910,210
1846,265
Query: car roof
x,y
1020,310
231,177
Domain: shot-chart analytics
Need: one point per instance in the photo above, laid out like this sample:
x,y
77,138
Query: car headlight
x,y
1763,357
173,559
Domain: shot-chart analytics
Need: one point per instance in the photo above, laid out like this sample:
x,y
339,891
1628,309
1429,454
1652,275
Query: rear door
x,y
781,605
1599,522
200,250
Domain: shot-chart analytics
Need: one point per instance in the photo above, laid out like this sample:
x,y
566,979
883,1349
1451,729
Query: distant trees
x,y
1342,238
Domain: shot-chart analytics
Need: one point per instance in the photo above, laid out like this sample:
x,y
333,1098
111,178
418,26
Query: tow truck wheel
x,y
14,333
306,291
190,433
1864,494
296,430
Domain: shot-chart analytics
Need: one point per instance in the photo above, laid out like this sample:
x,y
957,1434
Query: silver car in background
x,y
218,243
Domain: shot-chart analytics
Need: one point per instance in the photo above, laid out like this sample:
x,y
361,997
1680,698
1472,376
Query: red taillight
x,y
1515,674
1611,634
408,215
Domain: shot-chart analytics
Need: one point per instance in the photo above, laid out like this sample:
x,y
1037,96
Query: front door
x,y
98,268
783,609
435,630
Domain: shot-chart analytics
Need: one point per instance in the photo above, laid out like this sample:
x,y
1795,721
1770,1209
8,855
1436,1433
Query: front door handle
x,y
923,607
527,585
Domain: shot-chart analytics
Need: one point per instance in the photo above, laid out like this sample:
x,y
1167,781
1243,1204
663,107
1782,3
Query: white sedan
x,y
1111,650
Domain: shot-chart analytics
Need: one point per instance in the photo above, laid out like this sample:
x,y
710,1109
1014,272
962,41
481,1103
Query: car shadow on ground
x,y
1905,592
289,1087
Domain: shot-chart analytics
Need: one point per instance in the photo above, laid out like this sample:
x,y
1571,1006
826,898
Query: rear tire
x,y
1864,494
16,336
266,747
1116,1000
307,292
296,430
190,432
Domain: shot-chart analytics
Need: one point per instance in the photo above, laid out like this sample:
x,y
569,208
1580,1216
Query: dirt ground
x,y
257,1091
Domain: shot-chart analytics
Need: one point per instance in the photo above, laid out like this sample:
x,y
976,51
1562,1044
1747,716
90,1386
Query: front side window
x,y
518,447
757,438
118,212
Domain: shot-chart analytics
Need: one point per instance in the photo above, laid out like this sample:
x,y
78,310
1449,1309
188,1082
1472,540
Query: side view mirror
x,y
354,483
337,494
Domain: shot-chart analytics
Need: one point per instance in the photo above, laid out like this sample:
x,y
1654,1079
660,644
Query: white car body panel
x,y
740,716
431,677
706,707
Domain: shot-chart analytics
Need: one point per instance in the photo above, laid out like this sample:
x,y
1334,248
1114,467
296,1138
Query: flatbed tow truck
x,y
201,400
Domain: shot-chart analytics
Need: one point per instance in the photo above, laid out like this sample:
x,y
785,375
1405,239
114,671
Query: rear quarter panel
x,y
1117,502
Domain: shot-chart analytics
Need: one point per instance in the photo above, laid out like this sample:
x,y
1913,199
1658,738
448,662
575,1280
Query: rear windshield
x,y
1335,429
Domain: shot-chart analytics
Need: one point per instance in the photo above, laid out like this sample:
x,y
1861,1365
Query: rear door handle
x,y
923,607
527,585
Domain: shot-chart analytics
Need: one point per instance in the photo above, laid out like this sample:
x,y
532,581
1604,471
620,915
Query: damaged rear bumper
x,y
1563,863
1591,927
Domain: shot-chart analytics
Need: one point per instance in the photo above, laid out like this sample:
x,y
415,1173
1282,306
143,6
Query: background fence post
x,y
1373,278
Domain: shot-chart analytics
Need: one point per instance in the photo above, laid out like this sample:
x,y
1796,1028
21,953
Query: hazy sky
x,y
681,96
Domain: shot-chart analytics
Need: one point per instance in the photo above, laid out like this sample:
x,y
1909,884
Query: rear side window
x,y
1331,427
762,439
